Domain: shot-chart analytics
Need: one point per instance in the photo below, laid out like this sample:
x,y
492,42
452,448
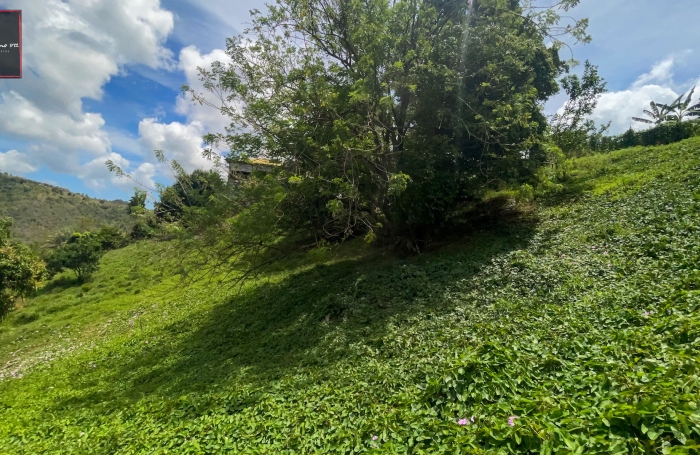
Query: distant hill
x,y
39,209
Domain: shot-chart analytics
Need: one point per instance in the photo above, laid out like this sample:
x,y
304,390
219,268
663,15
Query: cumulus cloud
x,y
21,118
95,174
619,107
181,142
15,162
209,117
71,50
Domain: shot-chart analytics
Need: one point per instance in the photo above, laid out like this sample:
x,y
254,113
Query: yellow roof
x,y
258,161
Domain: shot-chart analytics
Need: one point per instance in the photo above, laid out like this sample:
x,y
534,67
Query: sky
x,y
102,80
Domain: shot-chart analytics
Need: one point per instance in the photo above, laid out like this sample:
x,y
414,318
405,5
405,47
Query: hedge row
x,y
666,133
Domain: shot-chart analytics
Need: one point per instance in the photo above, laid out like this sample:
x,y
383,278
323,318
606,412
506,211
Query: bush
x,y
81,254
111,238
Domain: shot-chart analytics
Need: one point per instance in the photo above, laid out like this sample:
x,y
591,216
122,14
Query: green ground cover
x,y
571,329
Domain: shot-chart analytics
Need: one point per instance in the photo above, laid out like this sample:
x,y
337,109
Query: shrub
x,y
81,254
111,238
20,269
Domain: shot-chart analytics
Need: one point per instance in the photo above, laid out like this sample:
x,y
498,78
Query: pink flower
x,y
462,422
375,437
511,420
646,314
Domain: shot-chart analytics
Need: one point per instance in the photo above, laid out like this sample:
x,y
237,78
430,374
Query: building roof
x,y
255,161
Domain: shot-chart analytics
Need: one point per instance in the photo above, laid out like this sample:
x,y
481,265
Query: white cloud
x,y
211,118
21,118
15,162
662,73
181,142
619,107
96,175
72,48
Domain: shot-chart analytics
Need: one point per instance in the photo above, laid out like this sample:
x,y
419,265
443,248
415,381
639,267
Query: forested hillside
x,y
39,209
571,328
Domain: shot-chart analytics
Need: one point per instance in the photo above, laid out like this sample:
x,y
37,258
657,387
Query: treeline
x,y
665,133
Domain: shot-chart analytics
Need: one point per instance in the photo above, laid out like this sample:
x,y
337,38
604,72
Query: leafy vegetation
x,y
190,190
570,130
20,270
385,117
571,328
39,210
674,112
664,133
81,253
657,115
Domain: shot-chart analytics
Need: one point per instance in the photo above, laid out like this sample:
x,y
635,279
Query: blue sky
x,y
102,80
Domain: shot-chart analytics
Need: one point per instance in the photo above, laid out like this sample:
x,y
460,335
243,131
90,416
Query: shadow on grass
x,y
309,320
57,285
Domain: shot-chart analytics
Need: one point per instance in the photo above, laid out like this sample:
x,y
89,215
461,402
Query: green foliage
x,y
145,221
385,116
665,133
674,112
20,269
658,114
581,322
81,253
110,238
40,210
570,130
137,203
189,191
680,109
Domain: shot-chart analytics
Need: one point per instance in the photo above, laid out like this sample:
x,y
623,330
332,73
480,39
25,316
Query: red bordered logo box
x,y
10,44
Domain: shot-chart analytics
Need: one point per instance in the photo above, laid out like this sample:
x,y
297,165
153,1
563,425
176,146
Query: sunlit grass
x,y
579,319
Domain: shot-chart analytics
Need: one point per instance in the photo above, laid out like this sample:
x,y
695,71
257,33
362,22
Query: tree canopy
x,y
384,115
81,253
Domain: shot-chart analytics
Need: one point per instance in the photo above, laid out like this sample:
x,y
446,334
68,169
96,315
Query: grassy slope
x,y
581,322
39,210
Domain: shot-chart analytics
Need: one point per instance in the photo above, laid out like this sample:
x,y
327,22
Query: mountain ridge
x,y
40,209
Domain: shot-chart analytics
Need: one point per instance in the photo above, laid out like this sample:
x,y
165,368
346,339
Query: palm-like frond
x,y
654,109
682,108
657,115
687,101
676,111
694,111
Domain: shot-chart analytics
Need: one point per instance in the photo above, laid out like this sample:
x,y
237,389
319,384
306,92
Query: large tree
x,y
368,98
385,114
